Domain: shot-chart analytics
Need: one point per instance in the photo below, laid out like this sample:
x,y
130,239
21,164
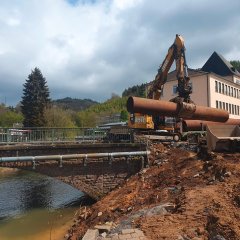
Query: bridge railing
x,y
33,135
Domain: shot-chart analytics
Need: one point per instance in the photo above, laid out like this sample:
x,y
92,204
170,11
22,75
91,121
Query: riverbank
x,y
181,196
7,171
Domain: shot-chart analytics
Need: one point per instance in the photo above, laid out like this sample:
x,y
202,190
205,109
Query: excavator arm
x,y
176,53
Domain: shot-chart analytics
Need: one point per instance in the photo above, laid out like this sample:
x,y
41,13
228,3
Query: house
x,y
216,85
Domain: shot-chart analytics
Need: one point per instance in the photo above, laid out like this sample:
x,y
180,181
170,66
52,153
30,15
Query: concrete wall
x,y
199,86
95,177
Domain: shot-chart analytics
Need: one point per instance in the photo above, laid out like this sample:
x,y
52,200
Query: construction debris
x,y
182,195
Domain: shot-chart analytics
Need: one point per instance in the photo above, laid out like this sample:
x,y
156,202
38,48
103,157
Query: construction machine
x,y
213,125
176,53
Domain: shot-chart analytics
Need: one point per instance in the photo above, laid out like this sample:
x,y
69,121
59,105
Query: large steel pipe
x,y
171,109
198,125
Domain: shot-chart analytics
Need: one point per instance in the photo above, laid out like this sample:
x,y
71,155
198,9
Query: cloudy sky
x,y
93,48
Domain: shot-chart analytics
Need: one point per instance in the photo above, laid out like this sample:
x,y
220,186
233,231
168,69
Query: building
x,y
216,85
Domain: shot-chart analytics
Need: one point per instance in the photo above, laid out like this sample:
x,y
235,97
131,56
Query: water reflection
x,y
29,202
36,194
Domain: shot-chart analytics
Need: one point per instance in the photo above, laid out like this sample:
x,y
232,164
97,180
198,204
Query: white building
x,y
216,84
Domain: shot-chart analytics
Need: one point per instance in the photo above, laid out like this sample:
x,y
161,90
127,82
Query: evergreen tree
x,y
236,64
137,91
35,99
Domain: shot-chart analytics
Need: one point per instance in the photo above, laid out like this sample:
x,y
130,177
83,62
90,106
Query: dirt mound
x,y
181,196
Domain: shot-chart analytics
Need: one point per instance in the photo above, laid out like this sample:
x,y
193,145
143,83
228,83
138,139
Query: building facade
x,y
216,85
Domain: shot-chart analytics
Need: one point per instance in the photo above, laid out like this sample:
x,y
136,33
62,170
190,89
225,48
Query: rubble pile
x,y
181,196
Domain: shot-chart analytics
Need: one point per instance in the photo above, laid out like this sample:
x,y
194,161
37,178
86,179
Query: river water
x,y
34,207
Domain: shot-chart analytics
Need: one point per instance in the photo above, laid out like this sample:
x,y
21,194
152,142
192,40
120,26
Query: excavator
x,y
176,53
218,130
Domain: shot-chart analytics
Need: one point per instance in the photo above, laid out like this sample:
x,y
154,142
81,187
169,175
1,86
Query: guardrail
x,y
54,135
34,135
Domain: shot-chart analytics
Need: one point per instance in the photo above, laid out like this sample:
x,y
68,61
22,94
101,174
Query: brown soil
x,y
200,195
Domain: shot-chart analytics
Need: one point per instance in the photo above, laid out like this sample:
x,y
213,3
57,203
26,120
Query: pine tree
x,y
35,99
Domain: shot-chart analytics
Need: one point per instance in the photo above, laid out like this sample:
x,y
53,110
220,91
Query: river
x,y
35,207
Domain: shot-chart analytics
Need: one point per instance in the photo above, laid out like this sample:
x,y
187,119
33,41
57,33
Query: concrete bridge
x,y
95,170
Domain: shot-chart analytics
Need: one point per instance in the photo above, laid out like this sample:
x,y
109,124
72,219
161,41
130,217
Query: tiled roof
x,y
191,73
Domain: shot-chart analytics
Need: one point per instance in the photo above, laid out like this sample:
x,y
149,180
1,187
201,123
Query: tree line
x,y
38,110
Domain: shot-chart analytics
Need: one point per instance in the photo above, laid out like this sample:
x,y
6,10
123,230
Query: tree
x,y
124,115
8,116
236,64
35,99
137,91
57,117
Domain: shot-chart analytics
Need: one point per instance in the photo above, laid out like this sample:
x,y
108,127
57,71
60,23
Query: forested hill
x,y
137,91
74,104
83,104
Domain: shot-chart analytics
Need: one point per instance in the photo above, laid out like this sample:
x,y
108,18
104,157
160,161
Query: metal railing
x,y
35,135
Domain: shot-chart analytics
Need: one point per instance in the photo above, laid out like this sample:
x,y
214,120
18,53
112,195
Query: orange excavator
x,y
176,53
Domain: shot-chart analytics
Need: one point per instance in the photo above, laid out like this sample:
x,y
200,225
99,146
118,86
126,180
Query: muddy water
x,y
35,207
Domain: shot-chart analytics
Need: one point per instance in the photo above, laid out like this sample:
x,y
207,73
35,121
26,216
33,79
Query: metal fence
x,y
31,135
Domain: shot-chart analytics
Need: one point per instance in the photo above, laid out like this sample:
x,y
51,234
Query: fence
x,y
30,135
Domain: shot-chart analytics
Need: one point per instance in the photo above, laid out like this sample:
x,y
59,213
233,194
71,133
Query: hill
x,y
103,113
136,90
74,104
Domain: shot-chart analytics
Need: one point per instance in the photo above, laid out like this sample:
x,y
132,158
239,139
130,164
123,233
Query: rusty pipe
x,y
171,109
198,125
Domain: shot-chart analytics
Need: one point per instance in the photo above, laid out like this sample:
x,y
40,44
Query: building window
x,y
223,105
227,106
231,91
217,104
230,108
233,109
237,110
219,87
223,88
175,89
228,90
234,92
216,86
220,104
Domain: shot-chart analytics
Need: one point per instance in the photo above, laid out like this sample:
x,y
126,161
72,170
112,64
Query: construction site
x,y
190,187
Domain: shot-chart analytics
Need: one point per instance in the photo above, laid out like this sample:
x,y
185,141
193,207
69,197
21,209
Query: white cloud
x,y
93,48
124,4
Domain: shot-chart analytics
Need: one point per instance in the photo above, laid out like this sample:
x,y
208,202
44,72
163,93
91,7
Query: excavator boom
x,y
175,52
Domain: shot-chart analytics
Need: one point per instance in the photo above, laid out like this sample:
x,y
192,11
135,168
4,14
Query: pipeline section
x,y
198,125
72,156
171,109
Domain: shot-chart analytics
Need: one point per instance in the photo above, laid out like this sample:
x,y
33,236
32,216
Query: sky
x,y
94,48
